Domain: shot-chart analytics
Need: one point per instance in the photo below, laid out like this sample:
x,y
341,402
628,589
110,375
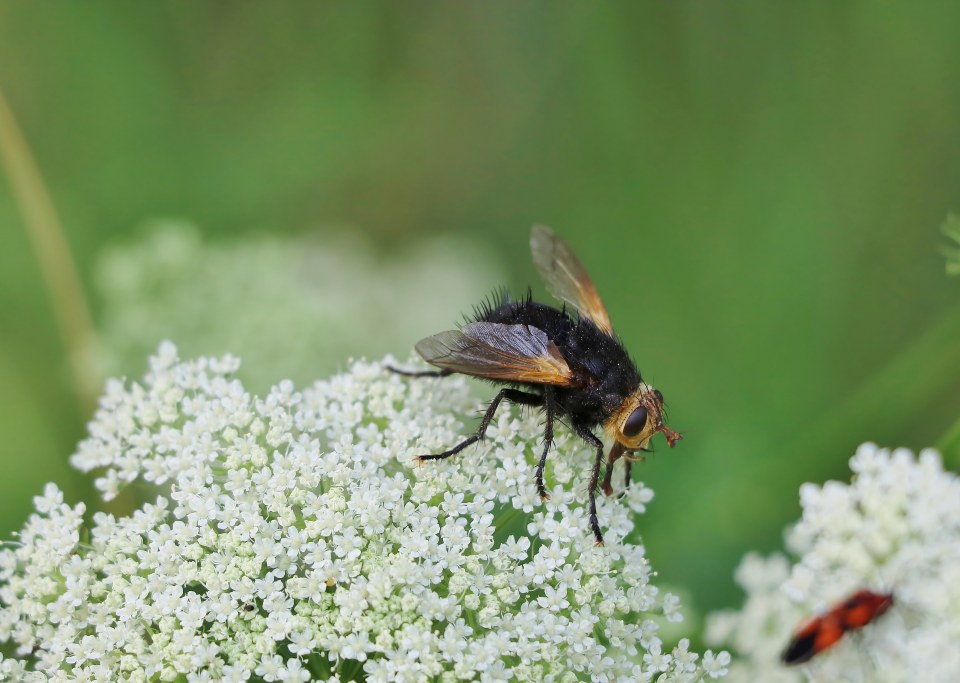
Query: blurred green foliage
x,y
755,187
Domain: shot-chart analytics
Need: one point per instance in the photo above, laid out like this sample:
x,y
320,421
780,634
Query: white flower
x,y
298,540
715,665
894,528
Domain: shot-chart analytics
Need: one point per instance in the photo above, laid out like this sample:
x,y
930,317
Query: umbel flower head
x,y
894,528
298,541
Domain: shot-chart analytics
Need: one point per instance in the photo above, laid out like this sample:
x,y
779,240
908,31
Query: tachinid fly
x,y
569,364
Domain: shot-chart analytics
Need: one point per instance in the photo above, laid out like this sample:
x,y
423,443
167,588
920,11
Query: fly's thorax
x,y
638,418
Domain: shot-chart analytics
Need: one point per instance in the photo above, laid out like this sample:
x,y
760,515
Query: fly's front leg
x,y
615,453
628,461
591,439
511,395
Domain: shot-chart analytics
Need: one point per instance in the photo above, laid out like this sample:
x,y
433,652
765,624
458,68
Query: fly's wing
x,y
565,276
515,353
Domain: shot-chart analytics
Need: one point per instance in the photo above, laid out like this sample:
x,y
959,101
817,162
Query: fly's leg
x,y
513,395
616,451
628,461
419,373
550,409
591,439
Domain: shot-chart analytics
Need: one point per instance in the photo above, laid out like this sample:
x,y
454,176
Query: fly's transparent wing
x,y
517,353
566,278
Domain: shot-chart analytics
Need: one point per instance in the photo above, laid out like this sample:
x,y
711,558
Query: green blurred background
x,y
756,188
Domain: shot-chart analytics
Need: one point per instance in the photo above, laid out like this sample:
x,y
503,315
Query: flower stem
x,y
50,245
949,438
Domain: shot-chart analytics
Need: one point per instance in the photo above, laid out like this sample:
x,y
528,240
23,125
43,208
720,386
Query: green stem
x,y
924,373
949,437
51,248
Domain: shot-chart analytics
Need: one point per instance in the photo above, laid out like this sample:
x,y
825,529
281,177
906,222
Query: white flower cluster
x,y
894,528
291,307
299,541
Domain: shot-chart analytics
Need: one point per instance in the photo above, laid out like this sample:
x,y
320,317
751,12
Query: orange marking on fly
x,y
825,630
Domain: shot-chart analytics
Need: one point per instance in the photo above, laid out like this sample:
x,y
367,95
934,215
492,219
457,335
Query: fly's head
x,y
638,418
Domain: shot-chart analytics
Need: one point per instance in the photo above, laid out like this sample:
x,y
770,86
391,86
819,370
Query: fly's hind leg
x,y
512,395
419,373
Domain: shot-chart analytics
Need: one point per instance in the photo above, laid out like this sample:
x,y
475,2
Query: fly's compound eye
x,y
656,392
636,422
